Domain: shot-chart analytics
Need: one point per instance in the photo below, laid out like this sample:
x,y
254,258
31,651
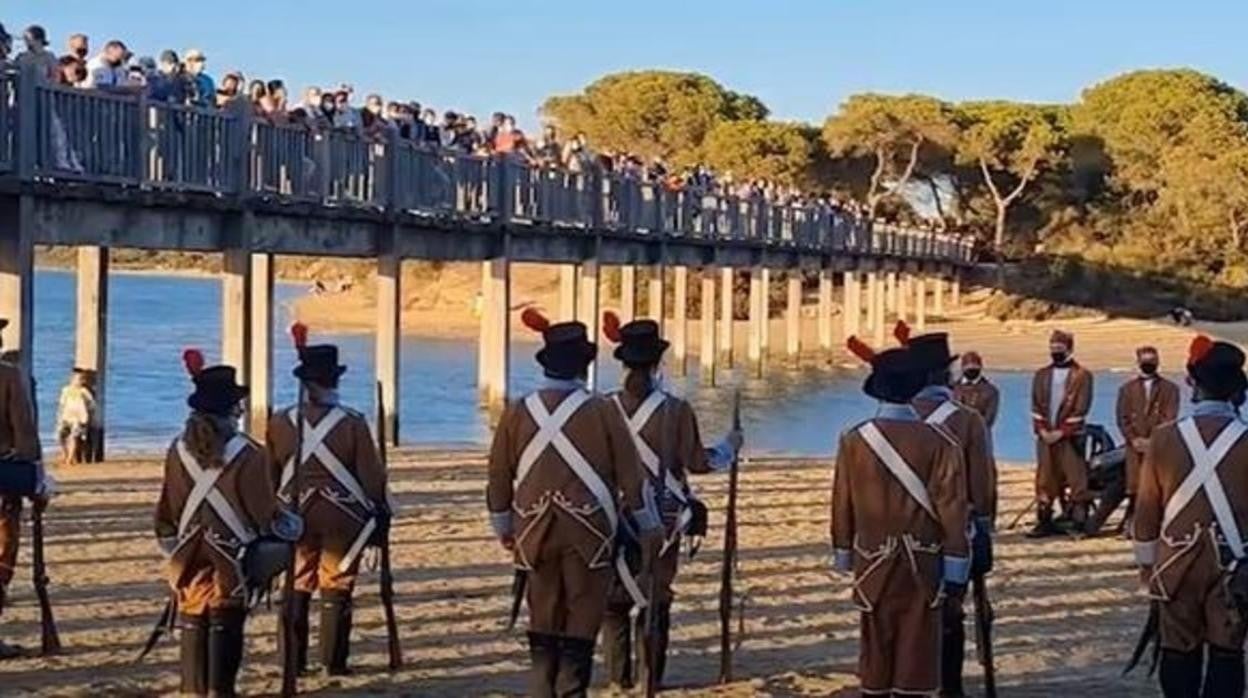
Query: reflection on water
x,y
152,318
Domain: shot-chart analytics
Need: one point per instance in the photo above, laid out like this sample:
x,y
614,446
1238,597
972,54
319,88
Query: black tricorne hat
x,y
1217,367
319,362
640,343
931,351
895,377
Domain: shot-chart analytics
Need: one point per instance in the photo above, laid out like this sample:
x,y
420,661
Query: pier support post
x,y
765,316
890,295
628,293
706,345
758,318
587,310
955,290
91,338
494,346
680,320
920,303
793,317
727,294
389,272
878,327
825,312
905,285
236,310
851,314
655,293
567,293
938,295
873,291
260,364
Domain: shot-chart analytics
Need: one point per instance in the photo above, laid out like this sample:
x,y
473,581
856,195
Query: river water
x,y
153,318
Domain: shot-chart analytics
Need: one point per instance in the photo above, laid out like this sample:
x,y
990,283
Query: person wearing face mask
x,y
975,391
342,497
215,502
1144,403
1061,396
652,415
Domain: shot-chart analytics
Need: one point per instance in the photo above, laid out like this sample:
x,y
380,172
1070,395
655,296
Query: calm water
x,y
152,318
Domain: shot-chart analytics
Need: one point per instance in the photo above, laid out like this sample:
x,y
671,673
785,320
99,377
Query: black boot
x,y
1180,673
952,653
301,602
1044,523
617,646
543,665
194,655
225,650
335,631
1224,674
644,655
576,667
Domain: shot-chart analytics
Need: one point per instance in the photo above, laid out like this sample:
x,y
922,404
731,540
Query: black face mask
x,y
1060,358
971,374
1148,369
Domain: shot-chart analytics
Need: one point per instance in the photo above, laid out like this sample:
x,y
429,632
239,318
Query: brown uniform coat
x,y
1187,572
981,396
333,519
203,569
1061,464
1139,412
896,550
19,436
967,427
562,536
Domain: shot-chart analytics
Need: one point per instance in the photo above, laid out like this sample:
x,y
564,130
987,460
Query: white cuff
x,y
842,559
1146,552
502,523
719,457
957,569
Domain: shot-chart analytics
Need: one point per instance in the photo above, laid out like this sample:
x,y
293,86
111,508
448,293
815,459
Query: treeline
x,y
1147,172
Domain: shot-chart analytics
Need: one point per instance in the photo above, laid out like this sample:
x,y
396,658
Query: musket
x,y
386,578
518,583
290,660
983,633
1149,635
730,557
164,624
50,641
652,610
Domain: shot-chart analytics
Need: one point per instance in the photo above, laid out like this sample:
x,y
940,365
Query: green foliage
x,y
782,152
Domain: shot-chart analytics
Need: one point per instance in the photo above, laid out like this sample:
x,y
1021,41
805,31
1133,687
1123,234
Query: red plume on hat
x,y
902,332
1199,349
299,334
611,327
534,320
193,359
859,348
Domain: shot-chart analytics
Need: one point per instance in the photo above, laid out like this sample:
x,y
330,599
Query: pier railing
x,y
51,132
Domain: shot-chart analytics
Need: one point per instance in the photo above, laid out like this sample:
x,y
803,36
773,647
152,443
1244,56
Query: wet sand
x,y
1068,611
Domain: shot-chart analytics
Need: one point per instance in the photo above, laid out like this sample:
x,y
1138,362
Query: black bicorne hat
x,y
931,351
896,376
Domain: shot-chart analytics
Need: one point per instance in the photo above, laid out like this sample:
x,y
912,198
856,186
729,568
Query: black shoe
x,y
576,667
193,655
644,655
301,601
1045,527
617,646
225,650
543,665
1224,675
1180,673
335,631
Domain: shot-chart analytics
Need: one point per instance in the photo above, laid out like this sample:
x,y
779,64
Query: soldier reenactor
x,y
899,518
1190,518
19,442
1061,395
662,425
563,473
216,509
342,497
1144,403
975,391
937,406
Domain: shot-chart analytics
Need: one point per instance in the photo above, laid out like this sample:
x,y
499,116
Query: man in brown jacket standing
x,y
1190,520
936,405
899,518
19,441
342,496
563,473
1144,403
975,391
1061,395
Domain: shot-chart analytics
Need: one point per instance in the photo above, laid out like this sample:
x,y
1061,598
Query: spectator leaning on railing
x,y
107,71
37,57
79,46
202,91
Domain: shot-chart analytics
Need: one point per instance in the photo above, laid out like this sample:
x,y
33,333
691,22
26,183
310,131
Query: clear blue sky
x,y
801,58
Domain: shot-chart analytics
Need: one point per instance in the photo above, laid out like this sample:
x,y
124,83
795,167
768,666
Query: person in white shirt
x,y
107,70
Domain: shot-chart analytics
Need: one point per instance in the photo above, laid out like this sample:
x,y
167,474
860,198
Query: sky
x,y
801,58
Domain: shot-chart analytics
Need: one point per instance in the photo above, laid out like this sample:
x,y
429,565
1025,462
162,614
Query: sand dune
x,y
1068,611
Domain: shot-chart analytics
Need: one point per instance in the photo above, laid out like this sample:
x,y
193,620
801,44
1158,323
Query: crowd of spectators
x,y
186,80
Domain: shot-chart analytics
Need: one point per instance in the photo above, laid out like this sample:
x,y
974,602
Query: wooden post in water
x,y
890,295
567,292
851,315
389,302
706,348
825,313
91,338
587,309
938,294
920,303
260,364
656,290
878,329
873,290
494,350
680,320
758,318
727,294
236,310
628,293
955,291
765,316
793,316
904,291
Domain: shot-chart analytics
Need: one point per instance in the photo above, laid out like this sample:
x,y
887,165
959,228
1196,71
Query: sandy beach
x,y
1068,611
